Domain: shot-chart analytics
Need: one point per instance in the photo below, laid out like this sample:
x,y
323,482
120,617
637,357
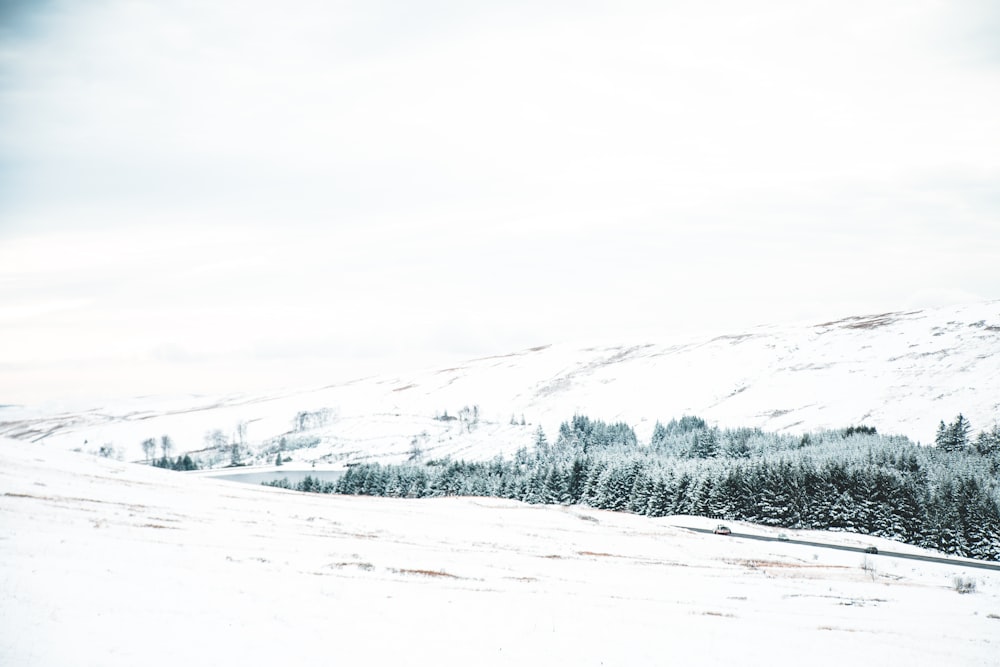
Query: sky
x,y
200,197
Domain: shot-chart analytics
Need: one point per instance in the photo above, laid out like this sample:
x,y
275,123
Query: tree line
x,y
945,497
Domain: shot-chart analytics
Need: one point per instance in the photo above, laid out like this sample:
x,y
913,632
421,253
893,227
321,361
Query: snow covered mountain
x,y
901,372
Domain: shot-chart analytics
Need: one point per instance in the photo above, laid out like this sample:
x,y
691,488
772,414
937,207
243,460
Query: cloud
x,y
13,313
942,296
259,110
187,182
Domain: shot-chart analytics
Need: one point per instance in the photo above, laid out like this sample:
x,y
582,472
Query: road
x,y
861,550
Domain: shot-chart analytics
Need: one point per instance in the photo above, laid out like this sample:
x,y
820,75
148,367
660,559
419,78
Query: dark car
x,y
871,550
722,530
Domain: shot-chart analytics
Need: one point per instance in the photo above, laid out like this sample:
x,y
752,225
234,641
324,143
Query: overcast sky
x,y
199,196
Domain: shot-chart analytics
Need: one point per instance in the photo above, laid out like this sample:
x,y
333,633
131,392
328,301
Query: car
x,y
722,530
782,537
871,550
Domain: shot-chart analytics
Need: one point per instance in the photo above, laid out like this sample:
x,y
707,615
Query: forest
x,y
945,497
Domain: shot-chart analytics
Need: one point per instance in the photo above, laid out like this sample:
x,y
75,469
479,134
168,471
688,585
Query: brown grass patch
x,y
367,567
755,564
866,321
74,500
427,573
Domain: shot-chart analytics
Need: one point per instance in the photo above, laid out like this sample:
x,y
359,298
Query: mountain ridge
x,y
900,371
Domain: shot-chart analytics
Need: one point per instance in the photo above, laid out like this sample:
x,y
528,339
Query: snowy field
x,y
107,563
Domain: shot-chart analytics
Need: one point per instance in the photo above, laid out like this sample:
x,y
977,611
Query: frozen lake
x,y
259,475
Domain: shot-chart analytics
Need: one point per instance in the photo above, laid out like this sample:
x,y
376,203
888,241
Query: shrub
x,y
964,585
869,567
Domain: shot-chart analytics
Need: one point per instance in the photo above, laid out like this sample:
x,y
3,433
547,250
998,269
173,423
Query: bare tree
x,y
149,447
216,438
416,451
166,445
306,420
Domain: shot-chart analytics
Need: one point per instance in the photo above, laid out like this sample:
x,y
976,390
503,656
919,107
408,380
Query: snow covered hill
x,y
901,372
104,563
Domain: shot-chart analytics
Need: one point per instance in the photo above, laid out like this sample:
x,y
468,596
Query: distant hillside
x,y
901,372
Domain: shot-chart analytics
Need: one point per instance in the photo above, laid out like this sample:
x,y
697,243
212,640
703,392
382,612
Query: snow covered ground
x,y
107,563
899,372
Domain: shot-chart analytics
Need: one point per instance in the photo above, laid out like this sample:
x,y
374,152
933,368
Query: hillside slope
x,y
108,564
902,372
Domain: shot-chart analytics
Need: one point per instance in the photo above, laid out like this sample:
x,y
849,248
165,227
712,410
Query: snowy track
x,y
955,562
